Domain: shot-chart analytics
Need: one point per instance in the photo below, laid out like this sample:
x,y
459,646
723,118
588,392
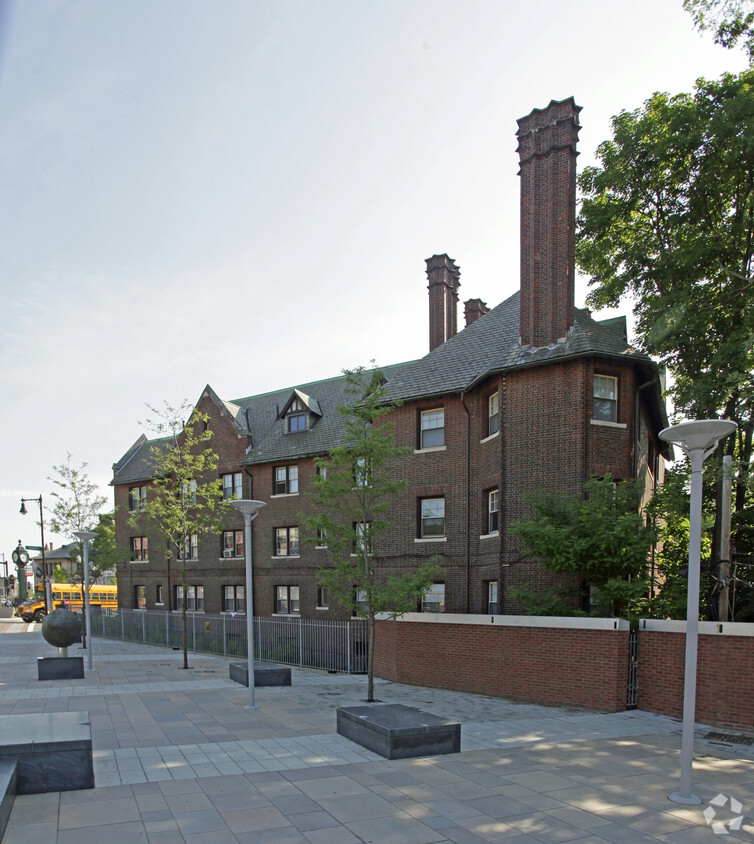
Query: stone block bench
x,y
398,732
51,751
266,674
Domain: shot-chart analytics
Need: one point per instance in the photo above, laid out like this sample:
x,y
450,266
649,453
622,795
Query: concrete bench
x,y
264,674
60,667
7,792
398,732
51,751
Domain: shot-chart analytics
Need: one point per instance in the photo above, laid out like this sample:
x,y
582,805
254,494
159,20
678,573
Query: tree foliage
x,y
597,540
185,495
732,21
352,495
667,218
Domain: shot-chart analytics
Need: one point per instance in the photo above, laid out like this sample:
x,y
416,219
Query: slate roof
x,y
489,345
136,463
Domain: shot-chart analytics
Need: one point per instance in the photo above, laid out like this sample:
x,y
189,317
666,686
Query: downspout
x,y
468,498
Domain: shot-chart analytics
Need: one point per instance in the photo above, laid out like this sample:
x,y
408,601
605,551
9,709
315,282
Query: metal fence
x,y
307,643
633,670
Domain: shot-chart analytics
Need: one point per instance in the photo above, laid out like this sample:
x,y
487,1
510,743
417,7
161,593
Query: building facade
x,y
533,394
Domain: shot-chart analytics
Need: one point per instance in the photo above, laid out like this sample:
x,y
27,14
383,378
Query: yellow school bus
x,y
68,596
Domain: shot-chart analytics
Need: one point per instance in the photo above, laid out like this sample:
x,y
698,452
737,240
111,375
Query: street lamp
x,y
85,536
249,509
698,440
45,579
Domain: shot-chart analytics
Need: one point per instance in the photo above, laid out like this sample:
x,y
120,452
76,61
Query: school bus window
x,y
56,596
66,596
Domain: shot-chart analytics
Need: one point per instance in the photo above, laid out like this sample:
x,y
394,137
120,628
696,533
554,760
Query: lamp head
x,y
248,507
23,511
701,435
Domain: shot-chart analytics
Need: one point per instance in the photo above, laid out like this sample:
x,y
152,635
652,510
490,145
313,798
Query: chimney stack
x,y
443,275
547,156
473,309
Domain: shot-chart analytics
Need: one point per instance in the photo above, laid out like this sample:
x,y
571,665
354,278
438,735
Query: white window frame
x,y
605,391
191,546
431,509
285,479
493,506
194,598
139,549
493,414
232,485
289,600
140,596
493,597
428,430
433,599
236,603
137,498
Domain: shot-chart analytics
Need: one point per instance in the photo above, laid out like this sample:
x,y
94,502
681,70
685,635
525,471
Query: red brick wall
x,y
568,667
725,677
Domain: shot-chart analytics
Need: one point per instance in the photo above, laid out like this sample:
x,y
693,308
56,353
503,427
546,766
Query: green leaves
x,y
599,540
668,220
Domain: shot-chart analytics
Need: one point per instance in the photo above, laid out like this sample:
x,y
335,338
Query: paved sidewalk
x,y
178,758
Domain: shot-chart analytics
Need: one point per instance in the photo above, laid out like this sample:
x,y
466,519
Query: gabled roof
x,y
139,466
489,345
492,344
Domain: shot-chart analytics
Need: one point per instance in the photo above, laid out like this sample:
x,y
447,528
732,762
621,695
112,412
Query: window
x,y
233,599
194,598
363,537
232,485
359,602
139,549
286,599
493,417
361,472
190,551
605,398
492,597
233,543
137,497
286,480
295,419
286,542
140,597
433,599
323,599
432,430
321,538
189,491
159,596
432,517
492,511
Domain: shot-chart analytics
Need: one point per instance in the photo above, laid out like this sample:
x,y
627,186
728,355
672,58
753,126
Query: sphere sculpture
x,y
61,628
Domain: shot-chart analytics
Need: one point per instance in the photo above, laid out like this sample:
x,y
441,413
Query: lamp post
x,y
249,509
698,440
45,579
85,536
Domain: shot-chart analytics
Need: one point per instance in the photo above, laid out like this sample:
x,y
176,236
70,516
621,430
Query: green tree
x,y
352,494
730,20
185,496
59,574
103,555
77,507
667,218
597,540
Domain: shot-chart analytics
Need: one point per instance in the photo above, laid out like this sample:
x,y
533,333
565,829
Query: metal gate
x,y
632,697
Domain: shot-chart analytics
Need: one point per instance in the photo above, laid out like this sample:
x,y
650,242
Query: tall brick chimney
x,y
547,155
443,275
473,309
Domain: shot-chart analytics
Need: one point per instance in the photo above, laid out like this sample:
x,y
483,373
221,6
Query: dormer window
x,y
295,419
300,412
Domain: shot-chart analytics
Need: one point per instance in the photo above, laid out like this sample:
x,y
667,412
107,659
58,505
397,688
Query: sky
x,y
243,193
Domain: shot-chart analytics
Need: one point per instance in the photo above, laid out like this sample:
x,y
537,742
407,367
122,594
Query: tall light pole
x,y
85,536
45,579
249,509
698,440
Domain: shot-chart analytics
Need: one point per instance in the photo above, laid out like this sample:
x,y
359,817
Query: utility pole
x,y
723,595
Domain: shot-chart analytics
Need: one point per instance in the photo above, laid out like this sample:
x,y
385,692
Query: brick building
x,y
532,394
